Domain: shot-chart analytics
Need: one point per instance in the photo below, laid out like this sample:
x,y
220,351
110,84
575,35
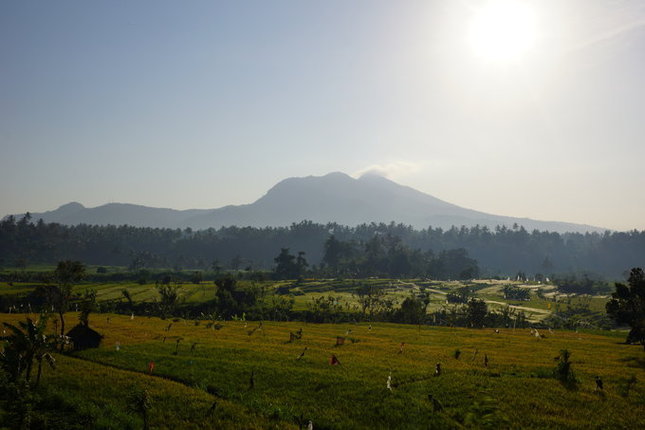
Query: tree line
x,y
500,252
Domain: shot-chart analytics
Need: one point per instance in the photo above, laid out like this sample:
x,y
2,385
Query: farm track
x,y
521,308
432,290
542,312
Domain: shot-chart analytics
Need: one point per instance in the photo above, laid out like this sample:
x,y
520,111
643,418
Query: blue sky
x,y
203,104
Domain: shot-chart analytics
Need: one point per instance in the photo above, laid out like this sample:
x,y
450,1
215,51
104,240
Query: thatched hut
x,y
84,337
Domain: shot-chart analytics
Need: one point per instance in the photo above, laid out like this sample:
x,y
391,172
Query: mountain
x,y
335,197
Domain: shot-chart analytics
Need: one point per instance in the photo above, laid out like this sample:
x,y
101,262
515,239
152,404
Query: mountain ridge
x,y
335,197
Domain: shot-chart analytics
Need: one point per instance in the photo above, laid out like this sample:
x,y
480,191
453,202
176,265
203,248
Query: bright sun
x,y
503,30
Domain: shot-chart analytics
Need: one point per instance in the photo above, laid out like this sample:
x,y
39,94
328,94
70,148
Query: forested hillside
x,y
502,252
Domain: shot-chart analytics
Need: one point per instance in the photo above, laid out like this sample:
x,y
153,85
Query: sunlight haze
x,y
517,108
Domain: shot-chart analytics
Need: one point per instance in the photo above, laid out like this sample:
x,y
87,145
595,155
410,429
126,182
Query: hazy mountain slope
x,y
335,197
345,200
118,214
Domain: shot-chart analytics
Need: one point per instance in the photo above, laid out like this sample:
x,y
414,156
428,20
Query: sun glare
x,y
503,30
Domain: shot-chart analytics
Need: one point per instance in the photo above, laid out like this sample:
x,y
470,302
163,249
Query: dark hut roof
x,y
84,337
81,330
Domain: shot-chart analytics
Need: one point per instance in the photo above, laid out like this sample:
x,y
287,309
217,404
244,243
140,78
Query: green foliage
x,y
26,344
476,312
460,295
499,250
126,295
168,299
69,272
211,388
563,371
485,414
325,309
585,284
279,308
627,306
625,385
139,403
19,400
335,252
578,315
197,277
232,299
88,305
515,293
59,296
289,266
412,311
371,299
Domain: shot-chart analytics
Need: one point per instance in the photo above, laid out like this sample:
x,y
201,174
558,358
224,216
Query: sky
x,y
201,104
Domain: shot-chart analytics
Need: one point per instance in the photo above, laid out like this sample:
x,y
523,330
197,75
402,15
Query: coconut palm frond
x,y
50,360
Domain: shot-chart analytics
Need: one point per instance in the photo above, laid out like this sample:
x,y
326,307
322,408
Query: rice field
x,y
261,377
305,291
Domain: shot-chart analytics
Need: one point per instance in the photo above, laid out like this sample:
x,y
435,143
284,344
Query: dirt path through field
x,y
522,308
432,290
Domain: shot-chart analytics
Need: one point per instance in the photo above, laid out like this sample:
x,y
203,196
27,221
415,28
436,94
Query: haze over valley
x,y
322,215
335,197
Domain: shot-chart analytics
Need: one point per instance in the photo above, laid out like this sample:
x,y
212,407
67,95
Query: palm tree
x,y
26,344
59,296
42,353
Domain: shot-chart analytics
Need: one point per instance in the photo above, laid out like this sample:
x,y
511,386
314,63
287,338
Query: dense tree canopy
x,y
502,251
627,305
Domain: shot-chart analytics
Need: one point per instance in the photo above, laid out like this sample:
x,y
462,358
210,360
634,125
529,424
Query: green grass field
x,y
306,291
515,390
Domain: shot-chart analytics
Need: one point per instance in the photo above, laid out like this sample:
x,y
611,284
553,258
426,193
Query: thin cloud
x,y
390,170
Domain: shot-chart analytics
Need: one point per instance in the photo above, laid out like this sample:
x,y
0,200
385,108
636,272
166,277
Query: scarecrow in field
x,y
436,404
599,385
437,369
302,354
401,347
259,327
212,409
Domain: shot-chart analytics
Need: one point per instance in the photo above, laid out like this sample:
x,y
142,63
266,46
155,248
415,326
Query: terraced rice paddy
x,y
253,373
